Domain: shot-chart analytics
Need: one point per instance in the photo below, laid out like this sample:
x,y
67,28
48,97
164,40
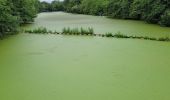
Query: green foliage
x,y
8,22
164,39
26,10
49,7
90,32
77,31
165,18
151,11
42,30
15,12
109,34
120,35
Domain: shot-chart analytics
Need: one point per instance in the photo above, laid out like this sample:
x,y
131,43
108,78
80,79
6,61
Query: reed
x,y
76,31
41,30
90,31
164,39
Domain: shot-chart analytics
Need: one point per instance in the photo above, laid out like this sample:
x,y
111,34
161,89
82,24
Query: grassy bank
x,y
90,32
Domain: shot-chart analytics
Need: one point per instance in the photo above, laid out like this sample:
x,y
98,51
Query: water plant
x,y
41,30
164,39
120,35
90,31
109,34
76,31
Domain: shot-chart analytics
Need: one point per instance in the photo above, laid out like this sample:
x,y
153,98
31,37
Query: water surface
x,y
59,67
58,20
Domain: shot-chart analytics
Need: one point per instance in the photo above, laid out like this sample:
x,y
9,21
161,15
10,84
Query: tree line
x,y
14,13
151,11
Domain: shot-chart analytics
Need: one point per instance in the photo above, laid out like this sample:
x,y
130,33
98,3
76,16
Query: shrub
x,y
165,19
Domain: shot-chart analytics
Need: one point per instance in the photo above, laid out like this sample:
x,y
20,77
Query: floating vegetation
x,y
90,32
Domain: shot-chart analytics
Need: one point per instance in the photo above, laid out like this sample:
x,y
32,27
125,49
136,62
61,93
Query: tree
x,y
8,22
165,18
26,10
15,12
151,11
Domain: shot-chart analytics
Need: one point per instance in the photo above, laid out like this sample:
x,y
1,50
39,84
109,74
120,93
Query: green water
x,y
56,67
59,20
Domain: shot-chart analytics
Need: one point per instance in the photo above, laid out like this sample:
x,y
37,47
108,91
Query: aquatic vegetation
x,y
120,35
109,34
90,32
66,30
41,30
76,31
164,39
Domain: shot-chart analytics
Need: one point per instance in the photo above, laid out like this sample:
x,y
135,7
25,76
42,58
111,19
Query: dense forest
x,y
14,13
151,11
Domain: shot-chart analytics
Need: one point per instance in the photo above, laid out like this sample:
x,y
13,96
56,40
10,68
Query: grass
x,y
119,35
76,31
38,30
90,31
108,34
164,39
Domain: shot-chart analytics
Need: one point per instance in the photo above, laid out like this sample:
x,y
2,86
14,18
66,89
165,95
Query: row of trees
x,y
13,13
151,11
53,6
16,12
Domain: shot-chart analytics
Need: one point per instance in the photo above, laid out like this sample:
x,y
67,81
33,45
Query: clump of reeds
x,y
76,31
41,30
108,34
116,35
164,39
120,35
90,31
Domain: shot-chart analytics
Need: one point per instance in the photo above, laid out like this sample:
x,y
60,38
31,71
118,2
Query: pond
x,y
59,20
59,67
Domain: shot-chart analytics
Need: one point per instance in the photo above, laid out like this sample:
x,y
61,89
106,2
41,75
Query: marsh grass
x,y
90,31
108,34
164,39
77,31
39,30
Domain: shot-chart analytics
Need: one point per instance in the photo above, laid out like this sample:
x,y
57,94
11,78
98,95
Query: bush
x,y
165,19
